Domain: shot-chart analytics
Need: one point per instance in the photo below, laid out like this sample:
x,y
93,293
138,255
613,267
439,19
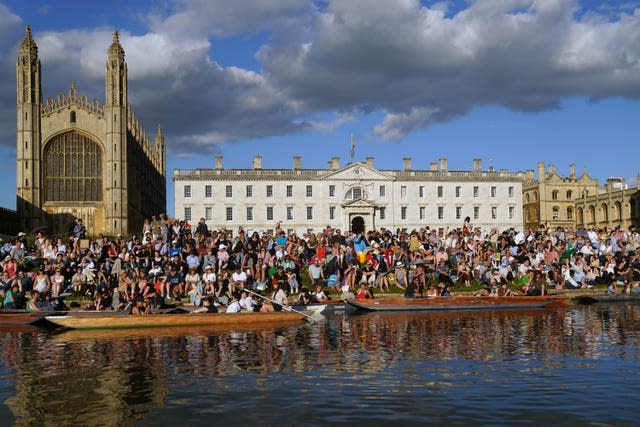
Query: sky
x,y
513,82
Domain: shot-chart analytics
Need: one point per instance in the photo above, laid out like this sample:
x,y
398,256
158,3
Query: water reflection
x,y
378,362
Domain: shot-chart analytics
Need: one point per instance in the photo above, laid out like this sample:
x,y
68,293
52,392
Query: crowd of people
x,y
171,260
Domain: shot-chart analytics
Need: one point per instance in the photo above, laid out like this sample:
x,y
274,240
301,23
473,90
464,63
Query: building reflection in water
x,y
115,377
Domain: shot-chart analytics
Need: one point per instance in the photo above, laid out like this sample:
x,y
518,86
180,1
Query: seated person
x,y
207,306
318,295
140,306
234,305
363,292
305,296
278,300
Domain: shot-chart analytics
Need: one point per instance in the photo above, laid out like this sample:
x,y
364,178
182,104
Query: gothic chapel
x,y
79,159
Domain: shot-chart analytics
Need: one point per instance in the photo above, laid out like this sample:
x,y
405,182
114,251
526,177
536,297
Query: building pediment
x,y
359,204
358,171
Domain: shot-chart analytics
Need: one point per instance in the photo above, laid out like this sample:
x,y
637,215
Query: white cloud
x,y
420,65
396,126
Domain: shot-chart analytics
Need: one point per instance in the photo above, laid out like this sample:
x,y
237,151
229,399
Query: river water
x,y
566,366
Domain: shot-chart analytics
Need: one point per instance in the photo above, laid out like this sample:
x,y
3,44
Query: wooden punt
x,y
79,335
460,303
336,307
23,317
595,298
115,321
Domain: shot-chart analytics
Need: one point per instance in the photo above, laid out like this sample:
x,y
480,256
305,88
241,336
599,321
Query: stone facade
x,y
77,158
616,205
355,196
551,199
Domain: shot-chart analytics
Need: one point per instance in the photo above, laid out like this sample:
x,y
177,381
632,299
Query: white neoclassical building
x,y
355,196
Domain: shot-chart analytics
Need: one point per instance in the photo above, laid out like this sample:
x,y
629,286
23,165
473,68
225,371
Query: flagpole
x,y
353,148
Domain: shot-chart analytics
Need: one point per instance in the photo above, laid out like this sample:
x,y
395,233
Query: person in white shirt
x,y
234,306
246,301
238,278
278,300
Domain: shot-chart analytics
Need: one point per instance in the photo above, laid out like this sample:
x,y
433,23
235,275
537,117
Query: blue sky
x,y
513,81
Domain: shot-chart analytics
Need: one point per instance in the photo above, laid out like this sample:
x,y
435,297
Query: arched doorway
x,y
357,224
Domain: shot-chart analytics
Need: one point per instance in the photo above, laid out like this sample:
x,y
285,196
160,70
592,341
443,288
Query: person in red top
x,y
363,292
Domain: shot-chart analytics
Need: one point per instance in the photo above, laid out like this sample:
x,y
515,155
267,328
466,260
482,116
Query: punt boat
x,y
23,317
115,321
457,303
595,298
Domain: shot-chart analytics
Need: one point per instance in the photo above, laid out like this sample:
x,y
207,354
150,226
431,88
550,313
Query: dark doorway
x,y
357,224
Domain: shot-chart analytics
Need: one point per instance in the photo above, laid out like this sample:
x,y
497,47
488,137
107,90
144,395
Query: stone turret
x,y
29,137
541,173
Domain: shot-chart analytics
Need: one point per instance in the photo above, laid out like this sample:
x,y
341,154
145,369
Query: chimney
x,y
434,166
335,163
477,165
638,181
369,162
443,164
552,169
330,165
218,162
572,170
530,175
541,175
297,163
406,164
257,162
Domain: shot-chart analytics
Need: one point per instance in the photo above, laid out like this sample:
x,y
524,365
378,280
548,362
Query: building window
x,y
269,213
249,191
421,191
332,212
72,117
476,191
570,213
249,213
512,212
208,191
309,213
269,190
440,212
208,213
476,212
289,190
309,191
403,191
569,194
554,195
494,212
458,189
440,191
382,213
187,213
422,212
383,191
289,213
332,190
458,212
187,191
555,212
229,191
73,169
229,213
494,191
403,212
511,192
356,193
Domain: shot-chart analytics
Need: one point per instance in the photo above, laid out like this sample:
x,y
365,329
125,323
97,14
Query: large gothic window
x,y
73,169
